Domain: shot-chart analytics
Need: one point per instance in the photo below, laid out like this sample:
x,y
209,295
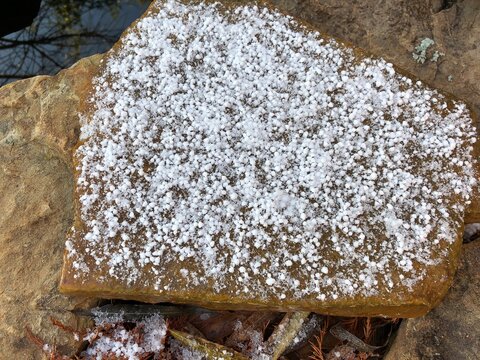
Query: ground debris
x,y
202,334
135,312
343,335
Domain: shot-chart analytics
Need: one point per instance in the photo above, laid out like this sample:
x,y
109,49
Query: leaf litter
x,y
220,335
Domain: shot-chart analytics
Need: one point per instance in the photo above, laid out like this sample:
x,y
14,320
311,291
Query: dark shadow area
x,y
16,15
247,334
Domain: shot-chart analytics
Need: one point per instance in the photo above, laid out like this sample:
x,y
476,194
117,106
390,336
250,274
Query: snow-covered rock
x,y
233,157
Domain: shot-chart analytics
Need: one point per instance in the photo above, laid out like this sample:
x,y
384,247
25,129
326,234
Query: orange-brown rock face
x,y
233,158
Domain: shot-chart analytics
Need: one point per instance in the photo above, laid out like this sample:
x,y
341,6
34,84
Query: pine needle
x,y
368,330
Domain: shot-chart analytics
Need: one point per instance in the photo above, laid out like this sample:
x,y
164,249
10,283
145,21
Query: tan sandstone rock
x,y
164,204
451,330
38,127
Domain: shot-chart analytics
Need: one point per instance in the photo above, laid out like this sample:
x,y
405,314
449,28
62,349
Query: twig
x,y
341,334
310,327
285,332
210,350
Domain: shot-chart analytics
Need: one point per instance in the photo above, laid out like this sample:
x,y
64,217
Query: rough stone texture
x,y
401,301
393,28
451,331
38,127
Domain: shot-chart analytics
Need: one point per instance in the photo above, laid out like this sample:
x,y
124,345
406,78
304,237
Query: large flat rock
x,y
232,157
38,127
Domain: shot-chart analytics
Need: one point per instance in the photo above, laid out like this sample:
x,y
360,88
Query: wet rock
x,y
38,127
177,224
451,330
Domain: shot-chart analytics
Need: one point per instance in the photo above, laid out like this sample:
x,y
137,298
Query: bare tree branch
x,y
59,36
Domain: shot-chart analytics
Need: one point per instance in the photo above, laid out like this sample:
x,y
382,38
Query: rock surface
x,y
138,234
393,29
38,127
450,331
